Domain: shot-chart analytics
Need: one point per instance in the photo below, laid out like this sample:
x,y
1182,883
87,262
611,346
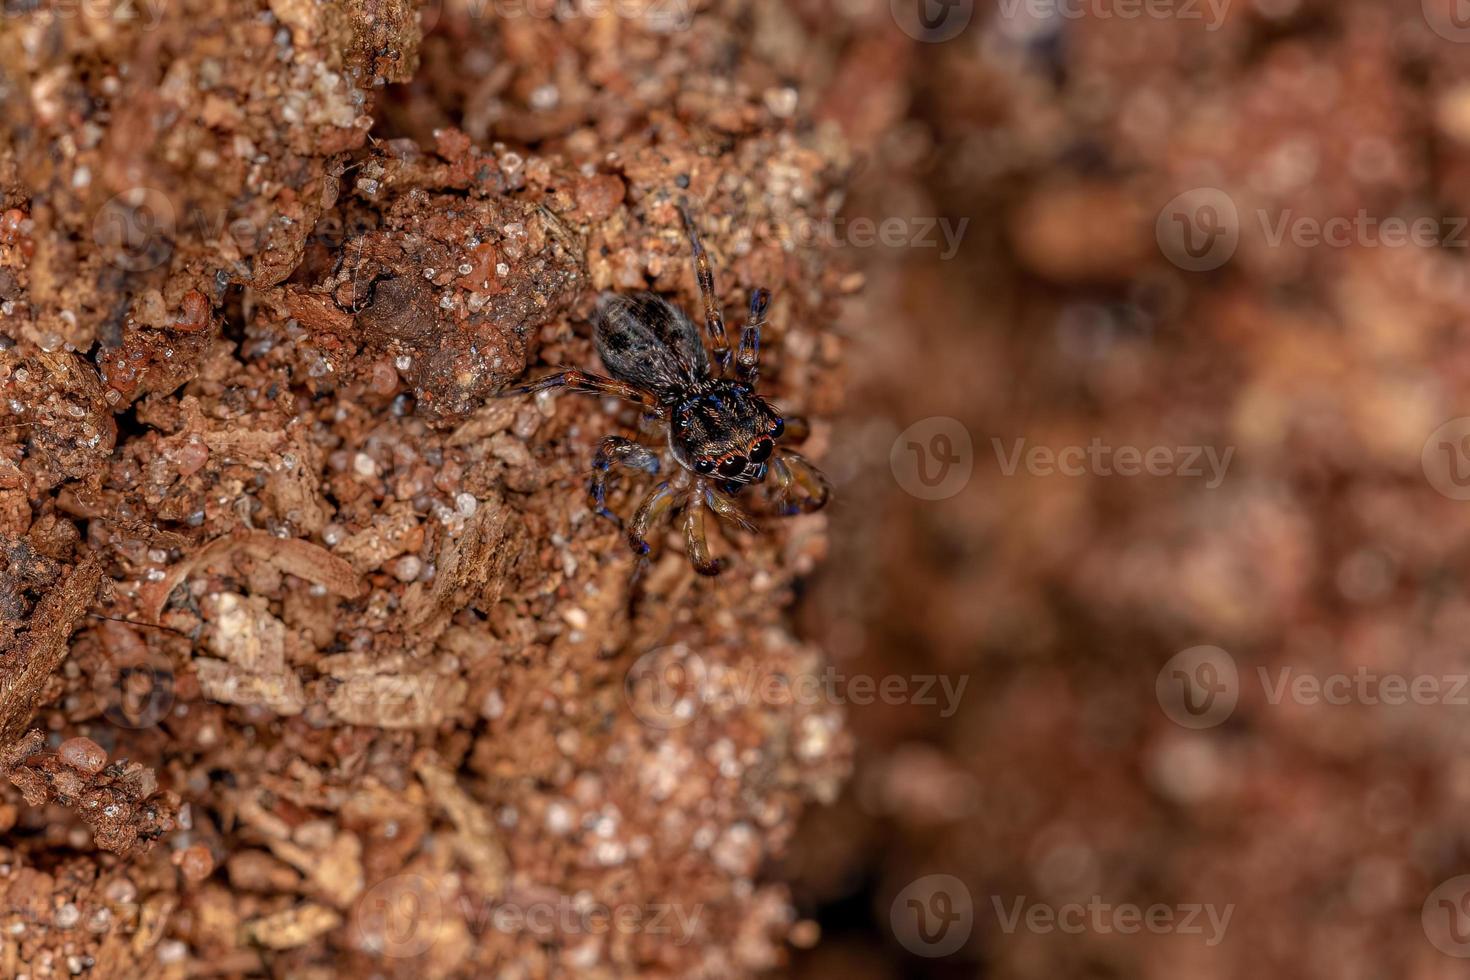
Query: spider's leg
x,y
797,429
594,384
727,509
653,508
714,320
636,582
625,452
695,540
793,473
747,360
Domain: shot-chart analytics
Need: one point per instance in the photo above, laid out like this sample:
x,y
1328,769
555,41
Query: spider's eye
x,y
732,467
760,450
704,466
778,428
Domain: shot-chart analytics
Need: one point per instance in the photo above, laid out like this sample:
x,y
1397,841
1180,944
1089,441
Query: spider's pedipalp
x,y
795,428
649,513
696,541
726,509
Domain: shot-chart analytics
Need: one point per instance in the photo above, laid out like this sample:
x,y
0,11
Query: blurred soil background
x,y
1089,302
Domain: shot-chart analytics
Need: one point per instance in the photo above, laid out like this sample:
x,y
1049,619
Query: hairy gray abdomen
x,y
646,340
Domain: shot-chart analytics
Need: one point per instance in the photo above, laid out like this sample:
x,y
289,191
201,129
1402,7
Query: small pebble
x,y
384,380
194,863
120,890
83,753
172,951
191,457
405,569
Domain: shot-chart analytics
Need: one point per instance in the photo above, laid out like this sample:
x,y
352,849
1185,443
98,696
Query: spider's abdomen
x,y
646,340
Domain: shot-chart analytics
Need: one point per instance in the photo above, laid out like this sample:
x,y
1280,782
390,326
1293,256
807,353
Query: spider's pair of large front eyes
x,y
730,468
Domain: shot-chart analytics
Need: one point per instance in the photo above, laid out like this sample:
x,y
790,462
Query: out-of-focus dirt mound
x,y
1075,312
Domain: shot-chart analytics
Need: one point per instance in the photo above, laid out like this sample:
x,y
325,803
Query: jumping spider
x,y
722,434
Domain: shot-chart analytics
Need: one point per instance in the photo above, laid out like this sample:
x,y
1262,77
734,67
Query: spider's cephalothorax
x,y
721,433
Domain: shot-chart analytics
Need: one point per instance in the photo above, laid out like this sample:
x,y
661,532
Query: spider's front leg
x,y
747,359
592,384
800,487
714,320
695,540
624,452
